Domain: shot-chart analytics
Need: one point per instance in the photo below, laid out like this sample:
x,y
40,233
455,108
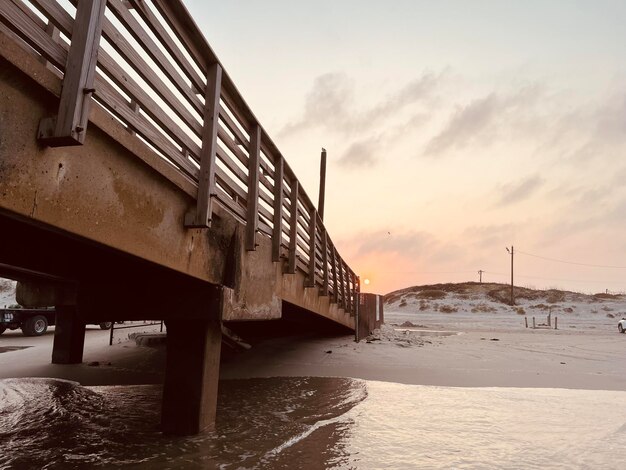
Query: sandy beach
x,y
461,350
462,389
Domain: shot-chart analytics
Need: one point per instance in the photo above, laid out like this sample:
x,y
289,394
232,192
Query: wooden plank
x,y
342,286
187,32
168,43
111,100
70,125
18,22
145,71
233,127
348,290
226,201
335,298
278,210
233,188
324,291
156,112
206,179
293,228
310,281
355,283
240,138
252,218
234,169
152,50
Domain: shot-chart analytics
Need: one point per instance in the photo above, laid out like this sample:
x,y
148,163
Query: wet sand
x,y
484,358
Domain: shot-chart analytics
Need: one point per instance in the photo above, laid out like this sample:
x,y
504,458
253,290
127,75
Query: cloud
x,y
407,243
364,153
514,193
485,236
326,104
483,119
331,104
465,125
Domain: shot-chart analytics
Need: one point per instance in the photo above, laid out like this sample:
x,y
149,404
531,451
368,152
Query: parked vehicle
x,y
621,325
32,321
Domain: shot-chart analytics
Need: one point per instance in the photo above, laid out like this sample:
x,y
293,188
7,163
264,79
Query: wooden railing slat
x,y
152,50
160,32
146,103
108,95
18,22
140,66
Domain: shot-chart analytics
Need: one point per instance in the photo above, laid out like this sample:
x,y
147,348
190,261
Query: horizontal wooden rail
x,y
158,76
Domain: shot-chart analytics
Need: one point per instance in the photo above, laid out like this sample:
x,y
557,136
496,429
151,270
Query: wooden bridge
x,y
136,183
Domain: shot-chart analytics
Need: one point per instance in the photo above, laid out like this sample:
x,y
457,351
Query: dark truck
x,y
32,321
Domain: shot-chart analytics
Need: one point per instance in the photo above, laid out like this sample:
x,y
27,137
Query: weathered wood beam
x,y
293,228
70,125
342,286
277,233
324,291
206,179
310,282
335,297
252,213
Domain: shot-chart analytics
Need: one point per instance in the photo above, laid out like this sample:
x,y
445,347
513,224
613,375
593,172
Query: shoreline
x,y
480,357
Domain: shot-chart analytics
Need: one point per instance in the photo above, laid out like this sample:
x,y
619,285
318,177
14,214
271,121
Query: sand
x,y
452,356
466,348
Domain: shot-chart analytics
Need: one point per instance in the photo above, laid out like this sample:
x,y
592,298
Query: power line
x,y
555,279
571,262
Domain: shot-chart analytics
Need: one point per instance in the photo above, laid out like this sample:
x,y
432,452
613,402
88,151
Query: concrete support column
x,y
69,336
191,375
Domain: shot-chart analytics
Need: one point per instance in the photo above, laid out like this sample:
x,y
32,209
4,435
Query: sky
x,y
454,129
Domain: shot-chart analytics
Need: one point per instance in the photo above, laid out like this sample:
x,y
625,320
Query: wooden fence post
x,y
335,297
293,228
324,291
206,178
342,286
277,232
252,204
310,282
69,126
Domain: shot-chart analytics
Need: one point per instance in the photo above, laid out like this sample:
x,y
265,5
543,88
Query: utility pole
x,y
480,276
511,251
320,204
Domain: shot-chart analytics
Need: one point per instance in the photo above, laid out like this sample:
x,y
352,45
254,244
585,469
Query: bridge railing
x,y
157,75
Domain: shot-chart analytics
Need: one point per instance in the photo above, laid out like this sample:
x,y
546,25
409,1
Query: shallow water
x,y
314,423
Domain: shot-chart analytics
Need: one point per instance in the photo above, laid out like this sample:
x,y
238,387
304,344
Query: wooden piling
x,y
526,321
533,323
